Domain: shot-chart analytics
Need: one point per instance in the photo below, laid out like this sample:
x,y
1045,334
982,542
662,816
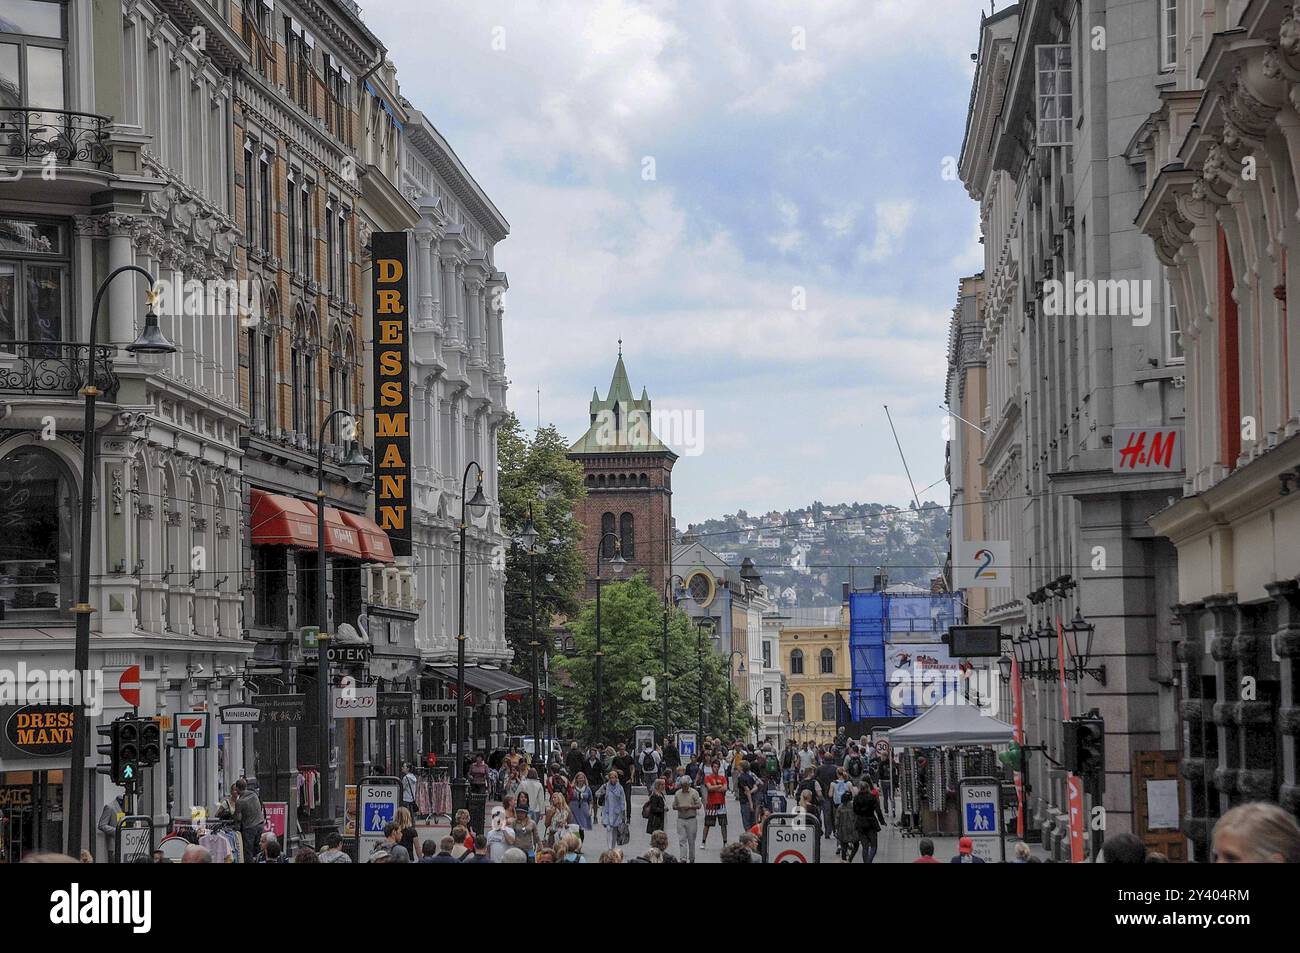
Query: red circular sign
x,y
790,857
128,686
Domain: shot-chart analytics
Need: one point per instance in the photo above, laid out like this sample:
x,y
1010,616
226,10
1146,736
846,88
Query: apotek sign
x,y
392,390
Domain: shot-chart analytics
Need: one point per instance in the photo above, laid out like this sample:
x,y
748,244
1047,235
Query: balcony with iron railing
x,y
32,135
54,369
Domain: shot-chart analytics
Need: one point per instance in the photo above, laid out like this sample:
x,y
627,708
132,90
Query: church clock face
x,y
701,587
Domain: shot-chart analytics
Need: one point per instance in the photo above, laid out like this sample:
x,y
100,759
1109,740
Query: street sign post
x,y
134,839
378,801
792,839
642,734
981,817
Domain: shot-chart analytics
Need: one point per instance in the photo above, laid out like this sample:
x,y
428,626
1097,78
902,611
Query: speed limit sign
x,y
882,747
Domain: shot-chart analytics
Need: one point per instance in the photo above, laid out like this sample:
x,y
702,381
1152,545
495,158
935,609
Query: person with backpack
x,y
810,786
853,764
846,829
866,808
745,785
649,767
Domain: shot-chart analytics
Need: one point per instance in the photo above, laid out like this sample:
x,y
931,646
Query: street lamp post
x,y
149,349
354,468
731,691
668,606
616,565
529,538
478,504
699,663
757,740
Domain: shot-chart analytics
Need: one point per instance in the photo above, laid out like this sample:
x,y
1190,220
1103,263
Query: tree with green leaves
x,y
534,471
631,616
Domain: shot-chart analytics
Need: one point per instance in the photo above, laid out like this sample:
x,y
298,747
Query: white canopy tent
x,y
951,723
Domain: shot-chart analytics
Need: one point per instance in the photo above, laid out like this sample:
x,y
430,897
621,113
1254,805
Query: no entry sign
x,y
128,686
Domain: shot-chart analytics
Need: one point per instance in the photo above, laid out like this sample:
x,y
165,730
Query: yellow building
x,y
815,659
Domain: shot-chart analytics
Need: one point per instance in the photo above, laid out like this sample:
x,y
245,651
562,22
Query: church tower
x,y
628,473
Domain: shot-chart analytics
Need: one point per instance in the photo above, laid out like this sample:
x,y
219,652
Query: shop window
x,y
38,523
307,584
271,585
347,592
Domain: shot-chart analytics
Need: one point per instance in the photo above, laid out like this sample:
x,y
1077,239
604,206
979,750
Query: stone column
x,y
428,279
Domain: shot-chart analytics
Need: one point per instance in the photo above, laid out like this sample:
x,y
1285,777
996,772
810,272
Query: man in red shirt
x,y
927,852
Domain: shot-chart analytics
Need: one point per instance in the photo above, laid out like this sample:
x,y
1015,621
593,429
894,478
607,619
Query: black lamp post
x,y
1079,628
669,603
700,625
478,504
616,565
528,536
149,349
757,719
731,692
354,468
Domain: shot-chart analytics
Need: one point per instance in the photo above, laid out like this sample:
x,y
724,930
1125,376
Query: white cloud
x,y
892,219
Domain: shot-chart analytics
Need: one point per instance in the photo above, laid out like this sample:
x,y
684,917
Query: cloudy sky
x,y
685,175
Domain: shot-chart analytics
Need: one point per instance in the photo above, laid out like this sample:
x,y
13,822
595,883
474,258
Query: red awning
x,y
340,538
374,541
281,520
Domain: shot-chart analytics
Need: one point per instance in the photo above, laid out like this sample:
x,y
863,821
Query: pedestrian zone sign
x,y
981,817
687,744
379,799
791,839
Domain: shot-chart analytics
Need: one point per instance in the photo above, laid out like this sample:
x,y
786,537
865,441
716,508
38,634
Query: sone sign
x,y
393,390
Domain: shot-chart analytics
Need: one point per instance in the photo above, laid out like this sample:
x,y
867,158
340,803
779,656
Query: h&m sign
x,y
392,389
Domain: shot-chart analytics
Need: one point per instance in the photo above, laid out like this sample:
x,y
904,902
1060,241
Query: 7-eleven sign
x,y
191,729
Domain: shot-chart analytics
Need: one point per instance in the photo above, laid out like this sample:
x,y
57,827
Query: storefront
x,y
487,693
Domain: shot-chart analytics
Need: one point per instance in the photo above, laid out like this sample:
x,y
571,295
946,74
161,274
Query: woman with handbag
x,y
613,810
580,802
655,807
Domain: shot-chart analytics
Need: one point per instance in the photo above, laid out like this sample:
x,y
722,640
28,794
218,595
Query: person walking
x,y
557,820
580,800
746,794
613,809
532,786
625,765
866,808
573,760
250,819
649,767
409,784
966,853
687,805
715,801
656,807
846,829
524,826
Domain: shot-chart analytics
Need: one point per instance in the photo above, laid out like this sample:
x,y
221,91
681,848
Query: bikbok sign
x,y
392,389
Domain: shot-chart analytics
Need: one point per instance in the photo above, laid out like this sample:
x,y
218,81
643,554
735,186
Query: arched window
x,y
827,662
796,662
607,525
337,380
254,375
645,480
300,371
39,512
796,707
311,399
268,377
627,538
828,708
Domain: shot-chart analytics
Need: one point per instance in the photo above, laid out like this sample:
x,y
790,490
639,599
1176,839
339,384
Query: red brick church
x,y
628,474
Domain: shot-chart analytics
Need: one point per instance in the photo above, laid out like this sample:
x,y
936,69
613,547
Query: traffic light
x,y
113,769
150,742
133,743
1084,745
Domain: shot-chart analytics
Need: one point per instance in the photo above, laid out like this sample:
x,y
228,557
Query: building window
x,y
38,517
306,230
254,379
1168,35
307,588
265,196
767,654
1173,330
1055,95
347,591
767,701
796,662
32,51
271,587
797,711
330,285
827,660
627,535
828,708
249,187
292,209
608,529
268,385
342,286
33,280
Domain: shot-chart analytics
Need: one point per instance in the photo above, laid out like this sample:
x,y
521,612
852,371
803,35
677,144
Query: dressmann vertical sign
x,y
392,390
